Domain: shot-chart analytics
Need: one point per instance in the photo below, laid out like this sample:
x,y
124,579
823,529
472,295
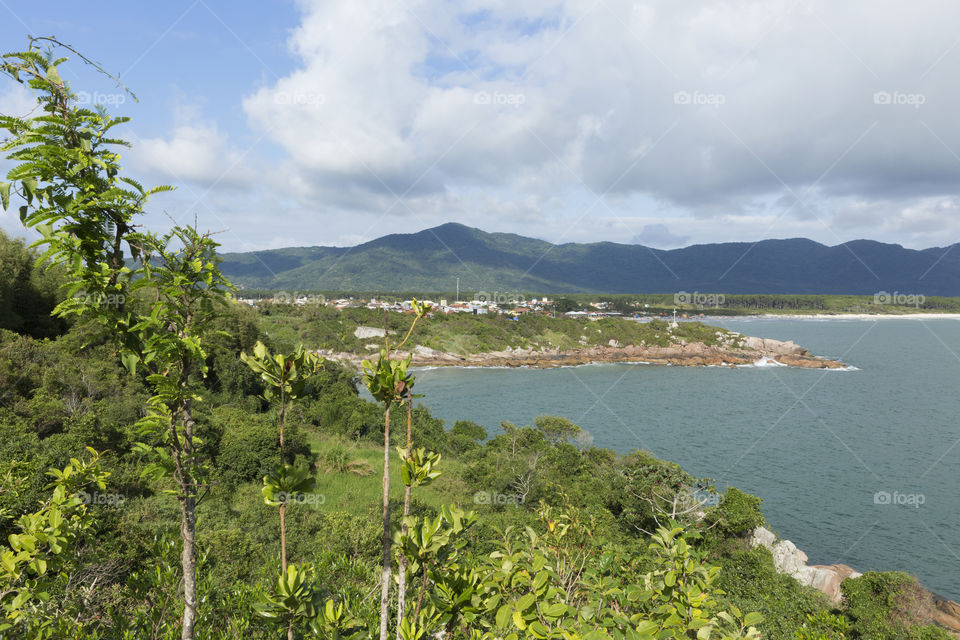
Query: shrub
x,y
889,605
738,513
250,444
751,582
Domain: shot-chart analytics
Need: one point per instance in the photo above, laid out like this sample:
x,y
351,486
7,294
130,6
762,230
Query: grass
x,y
355,494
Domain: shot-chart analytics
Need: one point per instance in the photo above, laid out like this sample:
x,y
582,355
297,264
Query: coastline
x,y
791,561
745,351
839,316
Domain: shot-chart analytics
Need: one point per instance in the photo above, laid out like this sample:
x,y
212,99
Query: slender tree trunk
x,y
283,422
402,593
188,521
188,561
386,572
283,505
423,590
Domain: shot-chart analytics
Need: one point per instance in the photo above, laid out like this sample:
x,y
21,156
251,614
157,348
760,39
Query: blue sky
x,y
331,122
210,53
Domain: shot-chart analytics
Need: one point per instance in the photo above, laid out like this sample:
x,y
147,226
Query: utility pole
x,y
458,289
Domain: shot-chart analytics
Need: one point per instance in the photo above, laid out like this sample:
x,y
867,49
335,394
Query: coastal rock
x,y
787,559
774,347
827,578
739,352
946,613
421,352
791,561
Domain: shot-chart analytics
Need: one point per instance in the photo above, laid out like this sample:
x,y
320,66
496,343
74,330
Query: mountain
x,y
433,259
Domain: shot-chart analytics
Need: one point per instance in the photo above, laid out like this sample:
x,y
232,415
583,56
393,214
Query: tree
x,y
68,176
285,376
389,383
27,295
557,428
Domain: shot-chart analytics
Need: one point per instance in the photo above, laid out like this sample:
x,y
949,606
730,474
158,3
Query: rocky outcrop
x,y
787,559
739,352
946,613
793,562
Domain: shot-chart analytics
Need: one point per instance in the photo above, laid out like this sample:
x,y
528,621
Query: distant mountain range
x,y
433,259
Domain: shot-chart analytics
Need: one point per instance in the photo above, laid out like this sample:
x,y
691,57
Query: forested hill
x,y
433,259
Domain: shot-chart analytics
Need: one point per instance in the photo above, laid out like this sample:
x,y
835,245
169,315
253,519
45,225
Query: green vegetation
x,y
889,605
463,333
146,454
691,304
437,259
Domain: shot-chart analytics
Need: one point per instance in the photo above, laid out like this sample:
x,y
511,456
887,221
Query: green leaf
x,y
503,615
5,195
752,619
518,621
130,361
29,188
540,580
526,601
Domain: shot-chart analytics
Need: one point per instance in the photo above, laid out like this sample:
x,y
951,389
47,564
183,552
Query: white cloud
x,y
17,101
195,153
709,109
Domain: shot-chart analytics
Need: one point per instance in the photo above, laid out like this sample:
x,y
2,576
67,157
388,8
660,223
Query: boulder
x,y
791,561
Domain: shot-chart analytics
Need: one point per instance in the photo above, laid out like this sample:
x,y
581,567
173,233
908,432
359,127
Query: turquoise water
x,y
817,446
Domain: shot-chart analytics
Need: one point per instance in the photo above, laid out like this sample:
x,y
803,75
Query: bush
x,y
250,444
738,513
751,582
889,605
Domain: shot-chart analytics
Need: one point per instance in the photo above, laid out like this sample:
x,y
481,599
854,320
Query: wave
x,y
762,363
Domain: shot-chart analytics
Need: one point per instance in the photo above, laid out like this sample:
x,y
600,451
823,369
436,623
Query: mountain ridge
x,y
432,259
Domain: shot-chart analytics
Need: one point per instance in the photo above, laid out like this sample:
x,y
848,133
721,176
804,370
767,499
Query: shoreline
x,y
745,351
791,561
836,316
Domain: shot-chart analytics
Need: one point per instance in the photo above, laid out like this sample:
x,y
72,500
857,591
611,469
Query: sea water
x,y
860,466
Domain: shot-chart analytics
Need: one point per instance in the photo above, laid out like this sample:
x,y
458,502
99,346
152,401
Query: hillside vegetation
x,y
168,470
434,259
322,327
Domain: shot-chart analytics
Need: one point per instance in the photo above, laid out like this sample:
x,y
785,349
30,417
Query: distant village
x,y
497,304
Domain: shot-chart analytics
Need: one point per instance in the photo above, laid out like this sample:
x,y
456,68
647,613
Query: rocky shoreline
x,y
789,560
743,351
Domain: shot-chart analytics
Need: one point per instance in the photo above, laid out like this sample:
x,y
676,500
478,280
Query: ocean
x,y
857,466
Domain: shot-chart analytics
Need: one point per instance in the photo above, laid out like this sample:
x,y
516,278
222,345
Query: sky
x,y
665,123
